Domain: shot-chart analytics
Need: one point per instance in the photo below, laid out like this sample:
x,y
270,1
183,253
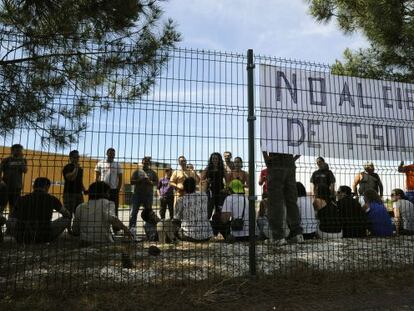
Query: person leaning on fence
x,y
144,181
192,211
354,219
380,224
323,176
93,219
308,220
12,169
367,180
166,194
282,192
408,170
110,171
214,174
403,212
327,212
31,219
235,213
73,188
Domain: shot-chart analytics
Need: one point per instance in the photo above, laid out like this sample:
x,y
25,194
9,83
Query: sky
x,y
279,28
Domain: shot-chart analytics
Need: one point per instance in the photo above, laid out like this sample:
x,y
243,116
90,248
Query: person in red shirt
x,y
263,182
409,181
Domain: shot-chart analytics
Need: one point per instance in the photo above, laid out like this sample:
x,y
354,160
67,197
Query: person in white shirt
x,y
403,212
236,206
110,172
307,213
192,210
93,219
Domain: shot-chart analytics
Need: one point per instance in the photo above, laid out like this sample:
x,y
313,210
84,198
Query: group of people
x,y
202,205
345,212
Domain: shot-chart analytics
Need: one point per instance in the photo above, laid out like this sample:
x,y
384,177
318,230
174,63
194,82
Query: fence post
x,y
252,196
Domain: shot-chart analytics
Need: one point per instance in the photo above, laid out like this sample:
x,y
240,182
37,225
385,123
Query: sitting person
x,y
330,226
354,220
192,210
31,219
236,206
307,213
403,212
379,221
93,219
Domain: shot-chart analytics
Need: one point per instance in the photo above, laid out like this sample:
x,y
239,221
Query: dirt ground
x,y
317,291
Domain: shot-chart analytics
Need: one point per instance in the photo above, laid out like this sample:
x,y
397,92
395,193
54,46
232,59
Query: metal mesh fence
x,y
197,107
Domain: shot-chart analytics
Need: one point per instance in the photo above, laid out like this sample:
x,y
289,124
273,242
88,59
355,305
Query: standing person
x,y
166,194
379,220
214,174
178,177
408,170
403,212
228,163
144,181
263,182
367,180
354,220
282,192
110,172
238,173
12,169
73,188
31,220
323,176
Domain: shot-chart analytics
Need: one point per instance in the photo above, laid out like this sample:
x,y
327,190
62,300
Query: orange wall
x,y
50,165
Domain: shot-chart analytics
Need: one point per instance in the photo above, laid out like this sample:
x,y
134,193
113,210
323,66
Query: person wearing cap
x,y
403,212
236,206
144,180
367,180
323,176
408,170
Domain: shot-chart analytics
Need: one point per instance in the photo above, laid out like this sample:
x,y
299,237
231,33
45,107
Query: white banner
x,y
319,114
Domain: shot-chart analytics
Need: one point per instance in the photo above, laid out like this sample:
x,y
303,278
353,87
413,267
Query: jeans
x,y
71,201
282,192
167,202
114,197
138,200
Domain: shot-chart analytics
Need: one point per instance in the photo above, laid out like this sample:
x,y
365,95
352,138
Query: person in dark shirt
x,y
323,176
354,219
73,188
31,221
12,169
144,181
166,194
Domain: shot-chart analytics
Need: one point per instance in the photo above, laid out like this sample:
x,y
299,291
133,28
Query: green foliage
x,y
389,27
97,52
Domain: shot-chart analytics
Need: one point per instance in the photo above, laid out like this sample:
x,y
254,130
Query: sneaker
x,y
276,242
297,239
